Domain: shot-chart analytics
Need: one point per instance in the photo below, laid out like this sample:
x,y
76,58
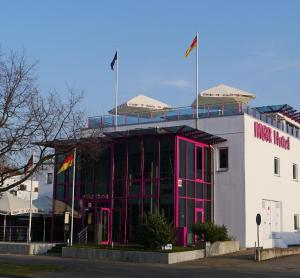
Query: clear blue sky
x,y
253,45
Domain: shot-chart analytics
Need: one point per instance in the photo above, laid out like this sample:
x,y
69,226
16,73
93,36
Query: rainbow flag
x,y
67,163
192,46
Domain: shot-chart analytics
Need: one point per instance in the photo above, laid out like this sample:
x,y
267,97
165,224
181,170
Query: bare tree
x,y
27,118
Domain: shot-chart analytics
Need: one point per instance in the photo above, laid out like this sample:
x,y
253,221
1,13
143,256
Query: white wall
x,y
261,183
45,189
229,203
24,194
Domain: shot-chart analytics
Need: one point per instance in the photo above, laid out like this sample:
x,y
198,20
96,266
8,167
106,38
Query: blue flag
x,y
112,64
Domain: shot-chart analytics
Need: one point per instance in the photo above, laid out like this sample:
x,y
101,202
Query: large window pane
x,y
191,189
182,188
167,157
191,160
150,187
150,158
120,161
182,159
207,211
150,205
134,159
167,208
135,187
134,212
199,156
119,188
166,187
102,173
207,191
199,190
181,214
207,165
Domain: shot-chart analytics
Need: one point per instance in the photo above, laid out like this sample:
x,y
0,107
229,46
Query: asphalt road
x,y
236,265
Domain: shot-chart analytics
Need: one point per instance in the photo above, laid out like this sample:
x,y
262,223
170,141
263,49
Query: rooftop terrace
x,y
267,114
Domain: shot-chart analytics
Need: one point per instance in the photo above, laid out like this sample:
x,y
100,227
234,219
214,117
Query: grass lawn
x,y
25,269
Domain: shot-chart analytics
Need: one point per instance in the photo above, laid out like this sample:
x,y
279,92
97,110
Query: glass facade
x,y
134,176
194,184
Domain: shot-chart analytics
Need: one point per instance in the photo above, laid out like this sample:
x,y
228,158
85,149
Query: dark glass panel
x,y
103,173
119,188
191,160
199,190
150,187
60,192
166,187
207,191
182,158
150,205
117,226
181,214
190,212
199,156
134,159
190,219
167,157
207,164
199,204
207,211
182,187
135,188
134,213
120,161
191,189
150,158
167,208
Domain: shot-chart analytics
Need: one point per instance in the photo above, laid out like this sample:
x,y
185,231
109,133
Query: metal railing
x,y
82,236
14,233
187,113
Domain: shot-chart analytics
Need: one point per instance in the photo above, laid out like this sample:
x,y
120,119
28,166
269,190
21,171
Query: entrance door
x,y
105,225
199,216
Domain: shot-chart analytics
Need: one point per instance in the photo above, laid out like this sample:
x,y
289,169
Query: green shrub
x,y
211,232
153,231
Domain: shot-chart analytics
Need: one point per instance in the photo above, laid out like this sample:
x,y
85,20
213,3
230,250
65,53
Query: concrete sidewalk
x,y
239,264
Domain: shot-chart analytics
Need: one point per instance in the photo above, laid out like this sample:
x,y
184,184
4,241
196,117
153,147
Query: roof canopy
x,y
223,94
139,105
45,206
12,205
184,130
284,109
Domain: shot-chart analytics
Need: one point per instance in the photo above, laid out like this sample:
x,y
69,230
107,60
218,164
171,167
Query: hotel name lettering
x,y
269,135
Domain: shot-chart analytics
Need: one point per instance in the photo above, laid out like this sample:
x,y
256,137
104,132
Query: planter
x,y
220,247
132,256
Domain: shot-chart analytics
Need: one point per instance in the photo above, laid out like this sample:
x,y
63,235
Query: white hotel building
x,y
255,159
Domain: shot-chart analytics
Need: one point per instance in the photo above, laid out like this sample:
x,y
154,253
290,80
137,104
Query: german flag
x,y
192,46
67,163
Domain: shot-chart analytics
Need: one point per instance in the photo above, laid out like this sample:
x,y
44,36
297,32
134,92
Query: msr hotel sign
x,y
270,135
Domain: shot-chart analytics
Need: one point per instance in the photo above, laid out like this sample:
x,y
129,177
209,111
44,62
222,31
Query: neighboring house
x,y
41,183
44,177
23,190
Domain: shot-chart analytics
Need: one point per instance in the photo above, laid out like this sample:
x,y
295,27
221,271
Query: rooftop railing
x,y
189,113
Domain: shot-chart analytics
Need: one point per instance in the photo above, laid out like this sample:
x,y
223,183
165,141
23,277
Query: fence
x,y
14,233
186,113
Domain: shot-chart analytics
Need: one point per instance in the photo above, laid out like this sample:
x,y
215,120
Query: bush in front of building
x,y
153,231
211,232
